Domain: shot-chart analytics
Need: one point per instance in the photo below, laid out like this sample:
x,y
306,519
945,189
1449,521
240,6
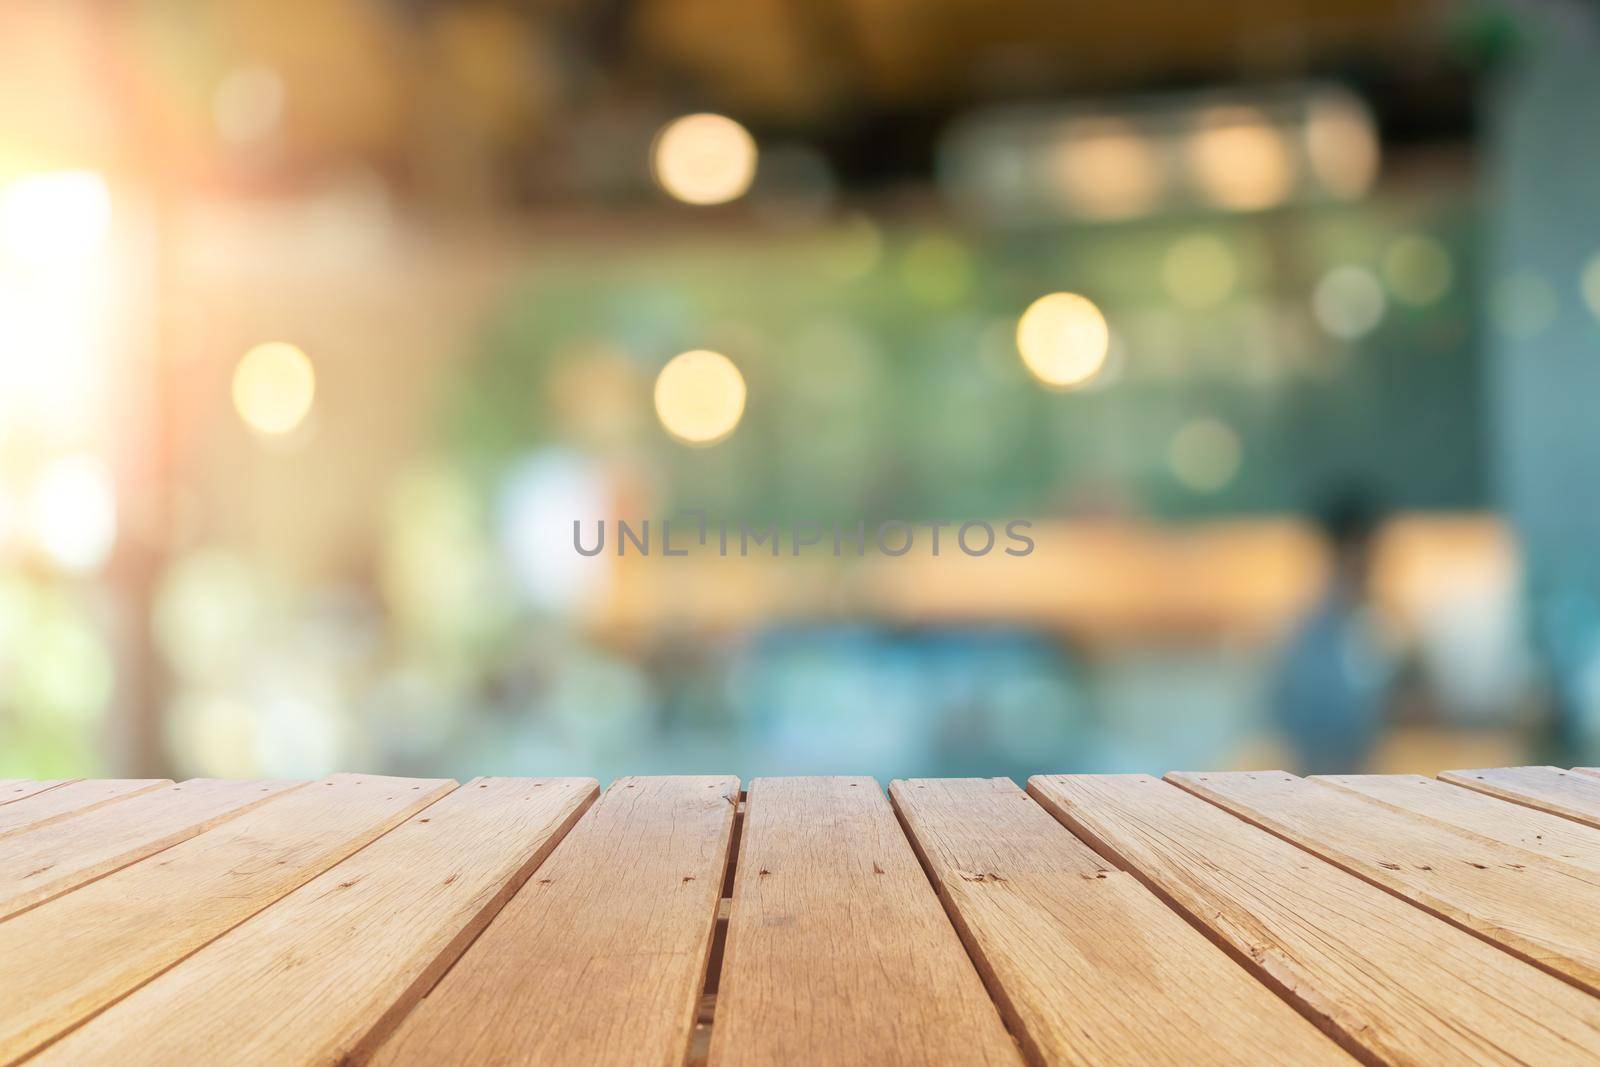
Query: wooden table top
x,y
1208,918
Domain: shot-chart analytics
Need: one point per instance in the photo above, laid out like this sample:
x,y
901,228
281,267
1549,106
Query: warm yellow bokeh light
x,y
1063,339
700,397
704,159
74,512
1107,169
1240,161
273,387
1342,145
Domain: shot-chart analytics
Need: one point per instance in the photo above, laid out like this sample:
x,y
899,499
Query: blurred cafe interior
x,y
322,322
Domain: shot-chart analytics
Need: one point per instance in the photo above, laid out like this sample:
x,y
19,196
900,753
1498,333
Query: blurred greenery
x,y
884,381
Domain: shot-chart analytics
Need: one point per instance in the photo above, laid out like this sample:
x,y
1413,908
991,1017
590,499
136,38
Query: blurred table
x,y
1206,918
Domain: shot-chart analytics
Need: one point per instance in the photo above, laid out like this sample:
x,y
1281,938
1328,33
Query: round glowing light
x,y
273,387
1348,302
1589,284
53,217
1063,340
1206,455
700,397
1200,270
554,481
1107,170
1417,269
1239,160
1341,144
74,513
248,104
704,159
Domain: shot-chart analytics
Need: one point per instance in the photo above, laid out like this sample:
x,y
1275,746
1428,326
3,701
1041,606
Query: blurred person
x,y
1334,679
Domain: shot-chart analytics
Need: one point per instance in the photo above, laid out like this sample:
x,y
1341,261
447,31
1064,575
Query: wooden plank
x,y
21,788
70,957
1066,943
53,805
43,863
1571,796
838,950
1543,910
1389,981
601,958
323,975
1539,832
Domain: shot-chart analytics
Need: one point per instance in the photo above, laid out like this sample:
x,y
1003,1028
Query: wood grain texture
x,y
601,957
838,950
20,788
1066,942
1570,795
1539,832
323,975
72,798
43,863
1545,911
1389,981
72,956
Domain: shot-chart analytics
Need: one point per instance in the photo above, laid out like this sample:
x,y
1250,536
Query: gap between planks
x,y
706,1006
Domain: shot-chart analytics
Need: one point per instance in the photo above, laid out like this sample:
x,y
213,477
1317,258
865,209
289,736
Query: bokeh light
x,y
1200,270
74,512
1589,284
1348,302
1107,170
704,159
548,485
1417,269
273,387
700,397
1063,339
53,217
1206,454
1239,159
1341,144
